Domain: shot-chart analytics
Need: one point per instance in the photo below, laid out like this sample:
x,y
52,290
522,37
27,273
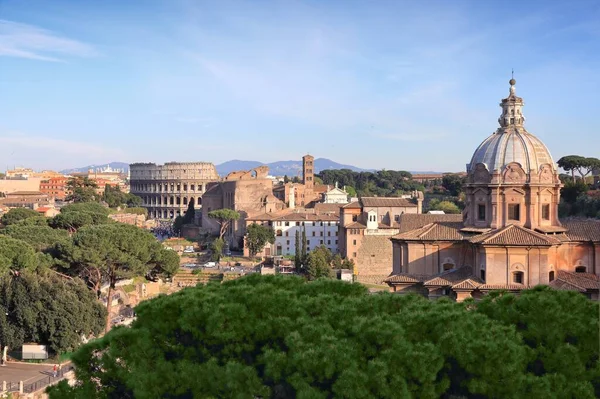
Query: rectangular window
x,y
514,212
321,233
307,242
321,242
313,233
287,233
480,212
288,242
329,234
546,212
354,254
354,218
353,242
328,242
287,223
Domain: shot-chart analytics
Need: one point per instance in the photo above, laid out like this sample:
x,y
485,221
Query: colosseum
x,y
166,190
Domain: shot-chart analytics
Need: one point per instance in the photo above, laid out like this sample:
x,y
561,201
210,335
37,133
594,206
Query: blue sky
x,y
377,84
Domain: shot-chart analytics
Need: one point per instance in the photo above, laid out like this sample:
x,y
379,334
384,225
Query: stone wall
x,y
374,259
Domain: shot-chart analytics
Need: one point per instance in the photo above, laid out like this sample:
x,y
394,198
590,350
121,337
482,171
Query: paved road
x,y
28,373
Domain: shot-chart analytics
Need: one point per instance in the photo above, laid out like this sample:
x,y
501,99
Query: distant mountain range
x,y
282,168
279,168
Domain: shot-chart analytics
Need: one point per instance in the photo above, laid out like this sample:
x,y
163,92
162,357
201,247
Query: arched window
x,y
580,269
551,276
518,277
447,266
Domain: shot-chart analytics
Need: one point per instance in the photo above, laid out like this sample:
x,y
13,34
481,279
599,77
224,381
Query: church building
x,y
509,236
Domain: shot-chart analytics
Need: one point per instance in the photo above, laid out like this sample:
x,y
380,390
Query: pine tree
x,y
304,253
297,253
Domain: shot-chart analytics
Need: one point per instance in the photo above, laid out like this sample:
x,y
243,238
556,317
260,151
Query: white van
x,y
210,264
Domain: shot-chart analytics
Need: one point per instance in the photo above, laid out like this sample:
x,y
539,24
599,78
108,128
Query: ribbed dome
x,y
511,144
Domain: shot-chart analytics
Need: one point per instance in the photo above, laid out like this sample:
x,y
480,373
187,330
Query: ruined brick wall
x,y
374,259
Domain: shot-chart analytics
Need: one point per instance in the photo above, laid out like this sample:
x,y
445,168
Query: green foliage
x,y
110,252
582,165
216,248
15,215
319,263
41,238
453,183
257,236
224,217
136,211
304,248
446,206
34,221
348,264
337,261
178,224
71,221
297,253
351,191
383,183
115,198
280,337
92,207
16,255
48,310
573,190
561,328
190,213
82,189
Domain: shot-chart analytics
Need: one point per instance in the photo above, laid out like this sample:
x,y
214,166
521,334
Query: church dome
x,y
511,142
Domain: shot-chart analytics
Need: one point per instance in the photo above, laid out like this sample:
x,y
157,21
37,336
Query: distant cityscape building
x,y
335,195
167,189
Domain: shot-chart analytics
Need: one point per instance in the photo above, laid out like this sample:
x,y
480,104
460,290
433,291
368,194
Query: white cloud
x,y
32,42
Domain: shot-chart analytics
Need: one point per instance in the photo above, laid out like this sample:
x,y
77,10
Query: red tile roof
x,y
407,278
582,229
514,235
468,284
441,231
585,281
352,205
386,202
507,287
356,225
450,277
412,221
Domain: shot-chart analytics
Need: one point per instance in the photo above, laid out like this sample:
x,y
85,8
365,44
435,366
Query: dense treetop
x,y
280,337
383,183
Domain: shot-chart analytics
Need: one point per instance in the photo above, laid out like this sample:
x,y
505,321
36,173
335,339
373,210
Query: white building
x,y
335,195
319,230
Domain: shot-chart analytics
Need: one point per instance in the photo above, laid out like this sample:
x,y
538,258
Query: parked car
x,y
188,250
190,265
210,264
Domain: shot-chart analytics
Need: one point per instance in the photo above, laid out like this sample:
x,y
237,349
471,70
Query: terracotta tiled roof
x,y
468,284
582,229
450,277
514,235
352,205
15,193
262,216
386,202
441,231
508,287
43,209
307,217
586,281
356,225
328,208
565,286
407,278
412,221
